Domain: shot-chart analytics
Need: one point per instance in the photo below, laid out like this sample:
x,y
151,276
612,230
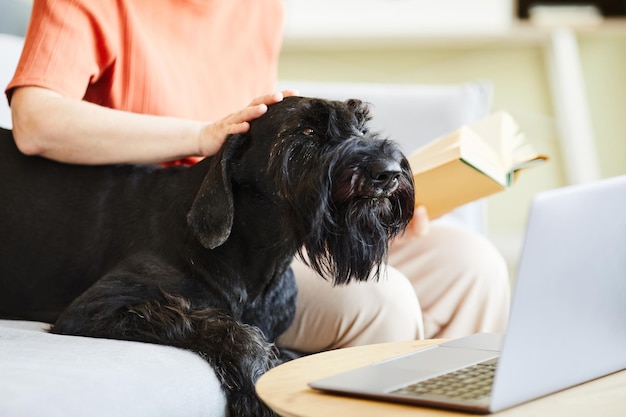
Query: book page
x,y
503,134
499,131
461,144
440,151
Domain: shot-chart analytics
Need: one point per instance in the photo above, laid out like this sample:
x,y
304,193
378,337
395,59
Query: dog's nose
x,y
385,175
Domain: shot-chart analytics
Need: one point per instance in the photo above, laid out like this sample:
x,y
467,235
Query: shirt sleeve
x,y
64,48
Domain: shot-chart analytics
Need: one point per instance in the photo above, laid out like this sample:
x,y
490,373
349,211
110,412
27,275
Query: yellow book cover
x,y
472,162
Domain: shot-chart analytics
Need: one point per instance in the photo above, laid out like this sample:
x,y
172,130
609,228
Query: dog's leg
x,y
120,307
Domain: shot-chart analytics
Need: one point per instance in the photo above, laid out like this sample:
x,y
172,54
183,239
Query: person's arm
x,y
74,131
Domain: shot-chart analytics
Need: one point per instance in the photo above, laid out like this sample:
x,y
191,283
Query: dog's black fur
x,y
198,258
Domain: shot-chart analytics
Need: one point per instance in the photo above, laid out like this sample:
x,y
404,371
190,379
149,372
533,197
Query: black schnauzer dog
x,y
198,258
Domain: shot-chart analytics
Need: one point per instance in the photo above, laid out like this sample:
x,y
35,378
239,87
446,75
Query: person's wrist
x,y
200,138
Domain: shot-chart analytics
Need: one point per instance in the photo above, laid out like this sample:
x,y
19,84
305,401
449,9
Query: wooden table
x,y
285,390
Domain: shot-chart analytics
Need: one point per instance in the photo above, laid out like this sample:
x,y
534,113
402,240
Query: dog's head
x,y
339,191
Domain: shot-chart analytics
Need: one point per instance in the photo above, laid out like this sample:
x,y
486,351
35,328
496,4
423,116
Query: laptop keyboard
x,y
471,383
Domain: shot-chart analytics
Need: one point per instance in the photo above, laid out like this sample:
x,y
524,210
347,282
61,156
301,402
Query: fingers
x,y
255,109
267,99
249,113
420,224
289,93
214,134
233,129
272,98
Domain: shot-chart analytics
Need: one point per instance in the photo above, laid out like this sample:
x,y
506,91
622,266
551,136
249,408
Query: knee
x,y
385,311
461,278
451,256
481,288
476,260
397,309
330,317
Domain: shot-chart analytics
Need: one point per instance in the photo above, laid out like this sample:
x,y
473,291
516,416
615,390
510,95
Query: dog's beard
x,y
357,243
345,229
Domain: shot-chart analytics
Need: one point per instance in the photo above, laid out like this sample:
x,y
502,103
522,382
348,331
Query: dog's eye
x,y
308,132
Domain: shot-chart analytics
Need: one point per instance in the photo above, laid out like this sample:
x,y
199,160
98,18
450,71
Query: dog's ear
x,y
361,111
212,212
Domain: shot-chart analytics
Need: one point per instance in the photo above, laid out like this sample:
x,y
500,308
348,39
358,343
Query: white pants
x,y
448,283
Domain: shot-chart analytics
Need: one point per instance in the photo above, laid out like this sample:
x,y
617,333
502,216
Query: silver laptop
x,y
566,325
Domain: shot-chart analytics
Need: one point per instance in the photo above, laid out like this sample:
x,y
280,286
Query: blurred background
x,y
558,67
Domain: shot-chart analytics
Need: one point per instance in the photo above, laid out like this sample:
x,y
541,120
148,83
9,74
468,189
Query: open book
x,y
472,162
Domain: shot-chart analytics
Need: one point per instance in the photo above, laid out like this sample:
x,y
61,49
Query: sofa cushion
x,y
51,375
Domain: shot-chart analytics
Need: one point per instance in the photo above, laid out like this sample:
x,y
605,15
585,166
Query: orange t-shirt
x,y
195,59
